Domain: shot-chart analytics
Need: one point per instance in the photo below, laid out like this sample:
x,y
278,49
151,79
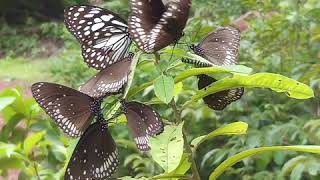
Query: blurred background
x,y
279,36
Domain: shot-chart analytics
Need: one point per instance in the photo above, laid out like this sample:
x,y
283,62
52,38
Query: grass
x,y
24,69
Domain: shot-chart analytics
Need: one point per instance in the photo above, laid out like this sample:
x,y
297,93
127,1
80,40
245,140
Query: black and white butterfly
x,y
143,122
219,100
218,48
110,80
156,24
103,35
95,156
71,110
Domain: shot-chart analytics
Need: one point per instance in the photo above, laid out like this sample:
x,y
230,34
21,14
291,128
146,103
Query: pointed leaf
x,y
167,148
164,88
6,101
276,82
32,140
236,128
242,155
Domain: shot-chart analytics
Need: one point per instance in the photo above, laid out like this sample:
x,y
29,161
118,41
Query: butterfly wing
x,y
220,47
143,122
138,130
95,156
152,32
219,100
110,80
103,34
70,109
150,117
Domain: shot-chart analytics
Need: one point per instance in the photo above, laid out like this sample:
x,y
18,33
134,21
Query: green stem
x,y
177,114
194,168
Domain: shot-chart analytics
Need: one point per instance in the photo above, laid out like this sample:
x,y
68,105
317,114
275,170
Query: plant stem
x,y
35,165
177,114
176,111
194,169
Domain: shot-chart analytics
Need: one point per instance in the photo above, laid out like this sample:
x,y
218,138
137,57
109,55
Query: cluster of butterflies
x,y
105,39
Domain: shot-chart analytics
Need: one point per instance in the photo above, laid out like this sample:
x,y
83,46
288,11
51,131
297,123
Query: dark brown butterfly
x,y
218,48
71,110
103,35
156,24
95,156
109,80
219,100
143,122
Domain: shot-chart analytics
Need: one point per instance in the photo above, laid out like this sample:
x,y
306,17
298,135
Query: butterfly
x,y
95,156
218,48
143,122
109,80
156,24
103,35
70,109
219,100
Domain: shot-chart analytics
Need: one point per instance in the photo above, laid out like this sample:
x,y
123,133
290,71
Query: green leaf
x,y
11,163
164,88
240,156
132,71
184,165
32,140
167,148
297,172
276,82
292,163
6,150
236,128
196,71
177,89
6,101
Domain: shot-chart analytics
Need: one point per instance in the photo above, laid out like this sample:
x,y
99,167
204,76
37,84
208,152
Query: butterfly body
x,y
154,25
103,35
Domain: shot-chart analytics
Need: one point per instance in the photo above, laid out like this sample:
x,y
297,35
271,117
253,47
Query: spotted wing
x,y
70,109
138,130
108,81
95,156
220,47
103,34
154,28
143,122
150,117
219,100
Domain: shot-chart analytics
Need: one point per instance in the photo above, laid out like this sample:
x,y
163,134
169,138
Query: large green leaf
x,y
6,101
229,129
197,71
238,157
167,148
276,82
164,88
179,172
32,140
